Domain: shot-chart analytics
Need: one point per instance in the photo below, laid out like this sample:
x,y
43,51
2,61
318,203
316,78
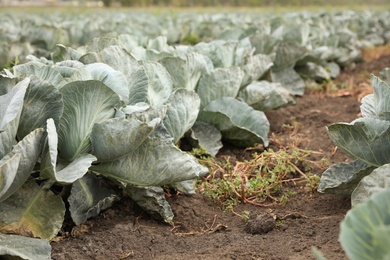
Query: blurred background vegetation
x,y
247,3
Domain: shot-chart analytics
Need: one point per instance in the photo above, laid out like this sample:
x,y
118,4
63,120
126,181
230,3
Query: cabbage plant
x,y
365,140
365,231
83,127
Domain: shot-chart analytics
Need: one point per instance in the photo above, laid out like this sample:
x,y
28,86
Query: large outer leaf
x,y
32,210
221,82
89,196
343,178
183,108
366,139
85,103
154,163
365,231
117,137
246,128
264,95
41,71
28,151
113,79
152,200
41,102
11,105
24,247
187,71
378,180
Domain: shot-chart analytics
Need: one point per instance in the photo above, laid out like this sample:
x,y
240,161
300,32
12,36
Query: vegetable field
x,y
202,135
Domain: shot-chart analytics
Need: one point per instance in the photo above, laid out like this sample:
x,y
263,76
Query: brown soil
x,y
204,231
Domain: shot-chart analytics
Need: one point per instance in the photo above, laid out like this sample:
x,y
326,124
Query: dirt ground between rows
x,y
204,231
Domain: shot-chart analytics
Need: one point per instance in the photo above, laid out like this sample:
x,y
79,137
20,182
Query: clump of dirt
x,y
202,230
260,224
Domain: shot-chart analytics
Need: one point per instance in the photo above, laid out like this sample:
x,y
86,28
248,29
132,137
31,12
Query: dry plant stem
x,y
295,131
215,218
298,170
263,205
243,189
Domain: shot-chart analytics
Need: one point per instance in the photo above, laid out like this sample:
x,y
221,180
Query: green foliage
x,y
262,180
244,3
118,105
365,231
371,131
190,39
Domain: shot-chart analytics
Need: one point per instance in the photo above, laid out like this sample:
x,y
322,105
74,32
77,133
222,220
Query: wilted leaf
x,y
89,196
32,211
152,200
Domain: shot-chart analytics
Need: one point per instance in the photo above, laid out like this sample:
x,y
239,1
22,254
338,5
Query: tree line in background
x,y
249,3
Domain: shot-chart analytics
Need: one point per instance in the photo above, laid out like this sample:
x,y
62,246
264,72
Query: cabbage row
x,y
96,106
